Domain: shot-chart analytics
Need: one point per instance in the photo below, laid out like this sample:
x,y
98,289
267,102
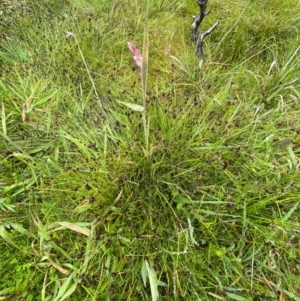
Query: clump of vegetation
x,y
186,190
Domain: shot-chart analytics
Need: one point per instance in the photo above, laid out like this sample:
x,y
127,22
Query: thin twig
x,y
198,37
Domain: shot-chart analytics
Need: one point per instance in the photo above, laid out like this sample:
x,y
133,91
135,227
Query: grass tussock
x,y
205,208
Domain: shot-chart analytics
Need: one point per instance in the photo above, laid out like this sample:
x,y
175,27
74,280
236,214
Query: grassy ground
x,y
209,212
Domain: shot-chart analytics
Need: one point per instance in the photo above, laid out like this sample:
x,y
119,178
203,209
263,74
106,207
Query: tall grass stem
x,y
145,66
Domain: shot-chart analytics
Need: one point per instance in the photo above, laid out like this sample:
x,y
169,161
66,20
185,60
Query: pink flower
x,y
135,54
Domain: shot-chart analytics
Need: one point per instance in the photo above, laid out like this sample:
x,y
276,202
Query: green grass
x,y
208,210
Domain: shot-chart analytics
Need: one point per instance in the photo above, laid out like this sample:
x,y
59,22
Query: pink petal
x,y
135,54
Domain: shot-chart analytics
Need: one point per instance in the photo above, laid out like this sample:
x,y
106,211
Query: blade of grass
x,y
132,106
153,281
3,120
66,289
145,76
6,237
72,227
145,57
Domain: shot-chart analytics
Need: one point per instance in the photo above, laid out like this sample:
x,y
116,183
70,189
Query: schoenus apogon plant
x,y
142,61
197,36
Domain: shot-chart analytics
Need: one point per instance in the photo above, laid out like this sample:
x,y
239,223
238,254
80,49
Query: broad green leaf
x,y
237,297
5,291
65,288
161,283
43,234
22,230
4,204
292,155
191,232
72,227
21,156
144,273
44,99
291,295
179,205
80,145
132,106
5,235
12,143
69,292
153,282
124,239
290,212
54,164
